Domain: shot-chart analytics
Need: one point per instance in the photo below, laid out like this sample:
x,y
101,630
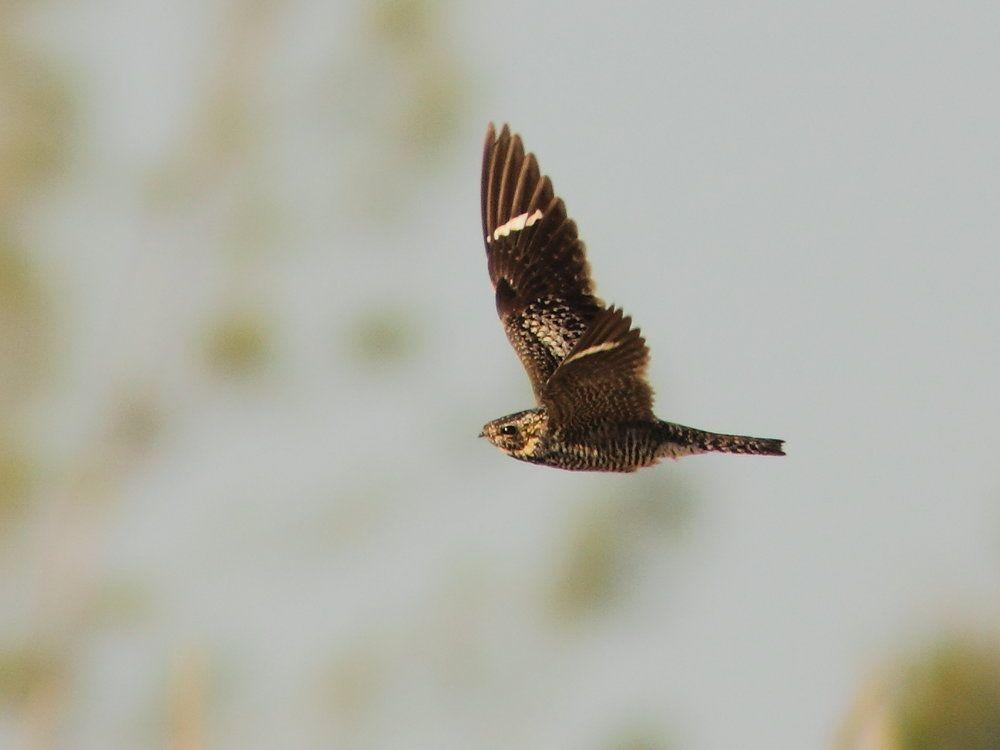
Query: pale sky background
x,y
798,203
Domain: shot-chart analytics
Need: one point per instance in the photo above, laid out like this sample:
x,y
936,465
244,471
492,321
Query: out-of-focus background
x,y
247,340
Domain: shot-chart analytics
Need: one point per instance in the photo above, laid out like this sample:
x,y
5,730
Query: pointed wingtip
x,y
493,132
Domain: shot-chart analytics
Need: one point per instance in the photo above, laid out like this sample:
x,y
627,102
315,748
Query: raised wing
x,y
536,261
603,378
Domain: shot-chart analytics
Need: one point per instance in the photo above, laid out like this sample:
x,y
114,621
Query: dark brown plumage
x,y
586,363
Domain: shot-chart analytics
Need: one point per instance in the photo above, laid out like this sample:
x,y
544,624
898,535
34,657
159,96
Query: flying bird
x,y
586,363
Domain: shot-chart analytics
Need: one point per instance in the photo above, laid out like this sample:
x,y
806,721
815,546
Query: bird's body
x,y
585,361
613,445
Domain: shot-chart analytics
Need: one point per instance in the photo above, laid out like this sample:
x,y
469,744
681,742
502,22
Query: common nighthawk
x,y
585,361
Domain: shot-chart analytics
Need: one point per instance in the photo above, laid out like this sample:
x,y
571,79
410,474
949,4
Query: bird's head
x,y
518,434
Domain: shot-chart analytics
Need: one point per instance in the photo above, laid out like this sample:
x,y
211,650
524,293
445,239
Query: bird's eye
x,y
508,430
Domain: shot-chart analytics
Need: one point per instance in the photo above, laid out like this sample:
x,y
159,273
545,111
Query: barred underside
x,y
625,447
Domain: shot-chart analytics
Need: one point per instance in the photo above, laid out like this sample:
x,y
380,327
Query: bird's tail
x,y
679,440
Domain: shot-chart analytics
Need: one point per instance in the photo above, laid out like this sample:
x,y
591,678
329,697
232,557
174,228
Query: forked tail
x,y
683,441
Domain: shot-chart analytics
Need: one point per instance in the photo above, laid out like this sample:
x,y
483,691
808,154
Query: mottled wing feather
x,y
602,378
537,263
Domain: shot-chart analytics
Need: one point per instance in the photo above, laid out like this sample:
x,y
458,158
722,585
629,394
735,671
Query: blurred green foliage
x,y
384,336
256,225
639,738
25,339
411,34
949,699
433,113
119,602
397,99
402,24
36,120
24,356
590,573
661,503
136,419
20,284
604,535
17,475
35,127
238,344
223,134
24,670
350,686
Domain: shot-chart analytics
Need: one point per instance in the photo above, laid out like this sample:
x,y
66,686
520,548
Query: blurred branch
x,y
230,117
944,696
187,702
395,135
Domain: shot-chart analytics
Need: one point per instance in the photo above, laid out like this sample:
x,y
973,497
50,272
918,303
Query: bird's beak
x,y
482,434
